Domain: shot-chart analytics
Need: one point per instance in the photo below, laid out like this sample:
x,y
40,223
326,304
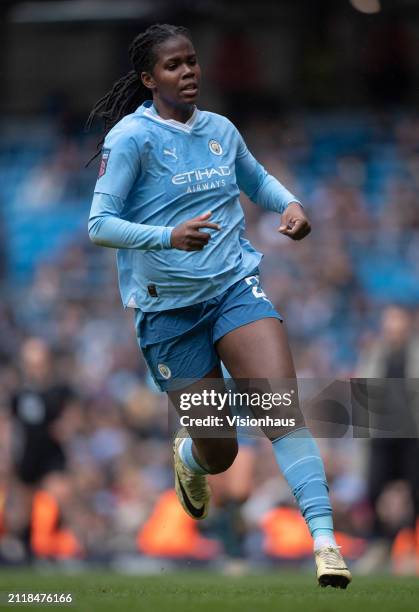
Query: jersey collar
x,y
151,112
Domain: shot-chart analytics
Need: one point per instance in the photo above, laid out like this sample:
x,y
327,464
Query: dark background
x,y
295,54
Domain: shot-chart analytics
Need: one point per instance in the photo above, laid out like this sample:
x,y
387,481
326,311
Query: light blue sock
x,y
299,459
185,453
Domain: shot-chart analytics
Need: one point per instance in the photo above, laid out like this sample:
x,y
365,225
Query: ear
x,y
147,80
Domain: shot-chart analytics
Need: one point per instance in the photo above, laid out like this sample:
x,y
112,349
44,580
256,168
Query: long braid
x,y
129,92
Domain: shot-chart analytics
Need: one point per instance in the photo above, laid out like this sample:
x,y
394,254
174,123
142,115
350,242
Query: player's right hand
x,y
188,237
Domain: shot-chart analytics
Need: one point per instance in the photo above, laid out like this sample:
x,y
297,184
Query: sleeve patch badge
x,y
104,162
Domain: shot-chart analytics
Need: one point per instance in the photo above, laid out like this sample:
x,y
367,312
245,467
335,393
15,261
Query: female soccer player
x,y
167,197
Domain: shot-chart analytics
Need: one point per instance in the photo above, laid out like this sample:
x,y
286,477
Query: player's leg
x,y
17,511
178,348
195,454
260,350
213,450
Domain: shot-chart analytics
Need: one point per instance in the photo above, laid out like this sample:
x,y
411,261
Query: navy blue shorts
x,y
180,343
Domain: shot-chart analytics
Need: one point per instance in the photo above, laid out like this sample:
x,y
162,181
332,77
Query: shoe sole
x,y
337,581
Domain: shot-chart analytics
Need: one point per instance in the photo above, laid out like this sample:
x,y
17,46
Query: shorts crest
x,y
164,371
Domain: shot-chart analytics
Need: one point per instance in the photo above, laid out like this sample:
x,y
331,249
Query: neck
x,y
178,113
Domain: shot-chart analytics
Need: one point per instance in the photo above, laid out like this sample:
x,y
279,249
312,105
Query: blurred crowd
x,y
85,457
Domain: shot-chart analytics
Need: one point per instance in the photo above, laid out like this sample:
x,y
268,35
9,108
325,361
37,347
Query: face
x,y
176,75
36,359
396,324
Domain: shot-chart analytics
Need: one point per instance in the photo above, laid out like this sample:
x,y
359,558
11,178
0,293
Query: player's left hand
x,y
294,222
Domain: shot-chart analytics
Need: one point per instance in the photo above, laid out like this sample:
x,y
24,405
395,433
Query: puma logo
x,y
170,153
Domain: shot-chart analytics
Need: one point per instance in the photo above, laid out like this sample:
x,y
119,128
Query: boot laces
x,y
331,555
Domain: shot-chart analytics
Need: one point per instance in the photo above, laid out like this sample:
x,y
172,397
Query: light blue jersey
x,y
156,174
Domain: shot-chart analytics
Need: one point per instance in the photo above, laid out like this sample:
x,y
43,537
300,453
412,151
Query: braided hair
x,y
129,92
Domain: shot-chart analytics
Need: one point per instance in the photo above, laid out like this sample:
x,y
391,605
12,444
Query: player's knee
x,y
220,454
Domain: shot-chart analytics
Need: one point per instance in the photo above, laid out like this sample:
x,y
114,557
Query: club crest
x,y
215,147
